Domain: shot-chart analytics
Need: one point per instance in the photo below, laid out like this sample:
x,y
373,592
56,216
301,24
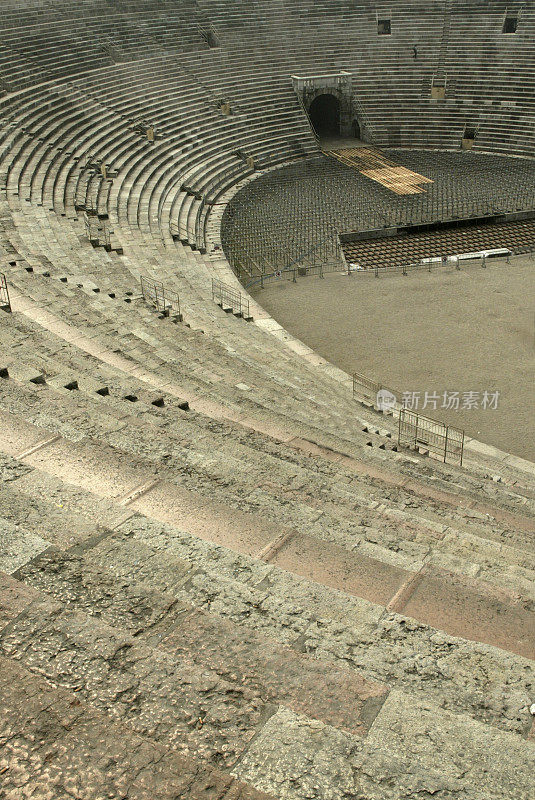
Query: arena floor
x,y
463,331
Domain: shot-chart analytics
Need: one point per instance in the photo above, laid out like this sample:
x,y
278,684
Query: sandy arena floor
x,y
449,331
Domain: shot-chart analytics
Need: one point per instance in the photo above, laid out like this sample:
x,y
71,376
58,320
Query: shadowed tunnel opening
x,y
324,113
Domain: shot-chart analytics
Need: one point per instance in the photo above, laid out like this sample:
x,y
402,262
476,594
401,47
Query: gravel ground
x,y
471,330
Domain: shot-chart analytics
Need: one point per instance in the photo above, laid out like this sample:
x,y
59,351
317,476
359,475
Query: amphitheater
x,y
227,573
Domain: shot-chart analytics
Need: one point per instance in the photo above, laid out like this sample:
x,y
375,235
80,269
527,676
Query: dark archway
x,y
324,113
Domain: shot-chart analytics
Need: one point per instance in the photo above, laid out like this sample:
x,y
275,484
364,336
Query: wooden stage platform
x,y
374,165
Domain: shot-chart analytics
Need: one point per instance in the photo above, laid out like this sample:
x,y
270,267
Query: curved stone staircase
x,y
221,578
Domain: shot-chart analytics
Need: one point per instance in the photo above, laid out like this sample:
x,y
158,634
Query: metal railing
x,y
311,269
266,277
365,388
444,441
456,262
325,256
162,299
414,430
230,299
5,303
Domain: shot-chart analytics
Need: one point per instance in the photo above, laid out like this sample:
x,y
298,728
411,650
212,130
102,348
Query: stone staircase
x,y
234,602
221,579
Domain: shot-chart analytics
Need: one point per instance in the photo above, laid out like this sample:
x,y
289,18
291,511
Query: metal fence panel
x,y
164,300
364,387
267,277
442,440
5,302
230,298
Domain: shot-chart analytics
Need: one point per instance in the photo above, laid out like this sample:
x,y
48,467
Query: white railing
x,y
341,78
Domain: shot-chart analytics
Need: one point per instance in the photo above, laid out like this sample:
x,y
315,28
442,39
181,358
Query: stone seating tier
x,y
220,577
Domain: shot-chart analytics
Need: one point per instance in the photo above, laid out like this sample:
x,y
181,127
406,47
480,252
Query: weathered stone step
x,y
385,535
492,617
59,512
55,746
188,708
64,364
385,647
440,493
65,415
470,609
339,697
79,339
287,741
187,442
301,487
412,750
459,605
97,347
18,545
268,467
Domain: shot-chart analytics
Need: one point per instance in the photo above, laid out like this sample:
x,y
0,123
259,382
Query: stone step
x,y
314,618
437,468
412,750
80,750
386,647
371,532
260,404
219,452
113,395
56,746
495,617
187,708
18,545
280,674
285,737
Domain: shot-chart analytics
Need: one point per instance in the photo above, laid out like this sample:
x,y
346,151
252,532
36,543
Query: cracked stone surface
x,y
295,757
54,746
15,597
17,546
190,709
237,654
47,490
48,518
71,579
487,683
197,552
415,750
484,681
11,469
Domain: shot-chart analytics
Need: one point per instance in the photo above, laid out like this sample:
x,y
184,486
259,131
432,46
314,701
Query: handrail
x,y
230,299
164,300
5,302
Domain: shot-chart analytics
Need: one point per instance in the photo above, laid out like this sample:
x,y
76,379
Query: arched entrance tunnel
x,y
324,113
